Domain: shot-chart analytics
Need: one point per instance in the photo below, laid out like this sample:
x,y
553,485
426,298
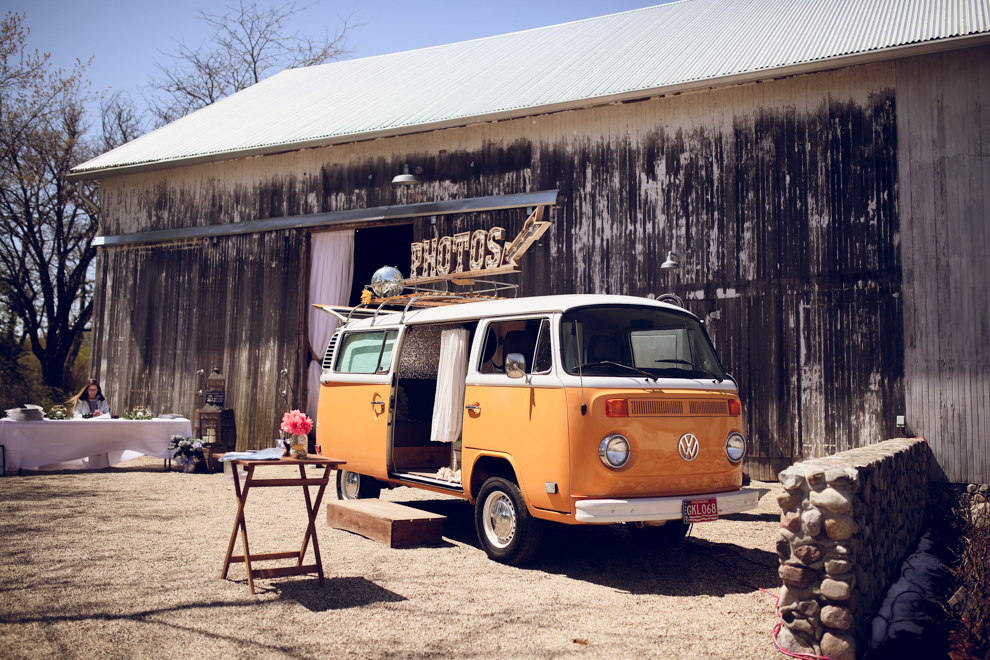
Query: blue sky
x,y
124,37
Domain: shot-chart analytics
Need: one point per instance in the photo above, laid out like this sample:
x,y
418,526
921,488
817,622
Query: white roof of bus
x,y
513,307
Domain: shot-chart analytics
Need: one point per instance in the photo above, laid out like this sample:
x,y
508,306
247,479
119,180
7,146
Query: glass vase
x,y
297,440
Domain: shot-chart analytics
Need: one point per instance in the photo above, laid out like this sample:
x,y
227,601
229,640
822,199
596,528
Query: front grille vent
x,y
328,356
655,407
668,407
709,408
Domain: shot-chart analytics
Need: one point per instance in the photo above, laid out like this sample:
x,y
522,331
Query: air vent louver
x,y
655,407
709,408
667,407
328,356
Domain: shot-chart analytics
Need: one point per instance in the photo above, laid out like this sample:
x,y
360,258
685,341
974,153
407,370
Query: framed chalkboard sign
x,y
215,387
215,398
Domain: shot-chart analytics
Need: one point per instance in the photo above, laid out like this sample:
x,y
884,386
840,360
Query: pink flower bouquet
x,y
296,422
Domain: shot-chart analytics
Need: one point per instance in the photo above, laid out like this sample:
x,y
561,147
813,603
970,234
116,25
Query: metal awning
x,y
336,218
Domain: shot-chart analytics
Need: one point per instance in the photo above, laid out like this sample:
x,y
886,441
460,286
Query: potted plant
x,y
189,452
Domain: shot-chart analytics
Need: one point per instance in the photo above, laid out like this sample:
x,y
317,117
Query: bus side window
x,y
489,362
519,336
366,352
543,359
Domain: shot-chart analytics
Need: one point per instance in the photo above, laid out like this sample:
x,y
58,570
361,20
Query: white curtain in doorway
x,y
448,409
330,279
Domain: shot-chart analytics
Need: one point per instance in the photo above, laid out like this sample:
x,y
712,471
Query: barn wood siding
x,y
238,305
783,197
944,123
787,198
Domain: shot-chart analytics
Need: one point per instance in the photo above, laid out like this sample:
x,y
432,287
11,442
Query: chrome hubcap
x,y
500,519
351,485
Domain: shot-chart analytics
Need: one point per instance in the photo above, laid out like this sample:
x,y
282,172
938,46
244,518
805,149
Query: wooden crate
x,y
395,525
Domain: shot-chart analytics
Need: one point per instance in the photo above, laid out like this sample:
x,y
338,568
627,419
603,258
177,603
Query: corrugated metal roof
x,y
618,57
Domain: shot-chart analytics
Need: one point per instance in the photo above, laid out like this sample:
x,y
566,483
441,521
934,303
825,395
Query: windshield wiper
x,y
696,368
648,375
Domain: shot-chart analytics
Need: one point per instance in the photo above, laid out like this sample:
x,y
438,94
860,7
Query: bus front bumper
x,y
643,509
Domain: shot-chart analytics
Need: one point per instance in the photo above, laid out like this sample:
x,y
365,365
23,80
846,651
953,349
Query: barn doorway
x,y
375,247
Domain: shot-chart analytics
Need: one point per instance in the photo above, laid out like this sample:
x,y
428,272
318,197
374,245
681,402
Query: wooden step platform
x,y
395,525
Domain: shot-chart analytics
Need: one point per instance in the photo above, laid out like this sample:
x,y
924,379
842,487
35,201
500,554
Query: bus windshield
x,y
656,342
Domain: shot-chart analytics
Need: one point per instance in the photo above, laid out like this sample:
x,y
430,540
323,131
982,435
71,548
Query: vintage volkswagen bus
x,y
576,409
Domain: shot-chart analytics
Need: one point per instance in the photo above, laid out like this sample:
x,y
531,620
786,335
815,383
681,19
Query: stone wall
x,y
848,522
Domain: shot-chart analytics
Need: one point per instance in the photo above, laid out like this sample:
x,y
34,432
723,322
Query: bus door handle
x,y
473,407
378,403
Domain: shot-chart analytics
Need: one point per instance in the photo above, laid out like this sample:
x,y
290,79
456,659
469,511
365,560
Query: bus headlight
x,y
735,447
614,451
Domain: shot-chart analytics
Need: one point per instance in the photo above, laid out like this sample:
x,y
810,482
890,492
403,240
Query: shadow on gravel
x,y
122,468
459,525
752,517
610,557
341,593
607,555
24,491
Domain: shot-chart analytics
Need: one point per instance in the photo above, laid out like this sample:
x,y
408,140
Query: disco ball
x,y
387,282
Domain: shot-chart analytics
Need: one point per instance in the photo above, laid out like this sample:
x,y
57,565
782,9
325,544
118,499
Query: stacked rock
x,y
848,522
979,505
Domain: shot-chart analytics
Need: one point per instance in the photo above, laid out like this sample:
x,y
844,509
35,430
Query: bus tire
x,y
506,530
354,486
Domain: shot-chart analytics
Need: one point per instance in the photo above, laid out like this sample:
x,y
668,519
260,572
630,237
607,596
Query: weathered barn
x,y
823,166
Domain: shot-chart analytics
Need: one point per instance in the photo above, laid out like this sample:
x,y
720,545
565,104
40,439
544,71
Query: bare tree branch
x,y
249,43
121,121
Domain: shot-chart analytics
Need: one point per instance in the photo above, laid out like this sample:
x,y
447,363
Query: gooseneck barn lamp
x,y
407,179
673,261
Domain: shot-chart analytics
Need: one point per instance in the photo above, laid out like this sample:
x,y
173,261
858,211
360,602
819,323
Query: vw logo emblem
x,y
688,447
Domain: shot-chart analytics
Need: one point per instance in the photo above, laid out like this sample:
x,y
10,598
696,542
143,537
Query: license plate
x,y
693,511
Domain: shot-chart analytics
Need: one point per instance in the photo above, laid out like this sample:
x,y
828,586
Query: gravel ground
x,y
125,563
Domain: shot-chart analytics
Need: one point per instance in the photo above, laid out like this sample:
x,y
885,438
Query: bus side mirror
x,y
515,365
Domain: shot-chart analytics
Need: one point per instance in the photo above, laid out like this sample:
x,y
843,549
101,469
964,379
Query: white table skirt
x,y
86,443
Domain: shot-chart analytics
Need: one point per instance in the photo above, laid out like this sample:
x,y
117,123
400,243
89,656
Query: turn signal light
x,y
735,408
616,408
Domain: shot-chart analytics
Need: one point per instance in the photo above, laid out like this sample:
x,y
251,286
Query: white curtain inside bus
x,y
448,410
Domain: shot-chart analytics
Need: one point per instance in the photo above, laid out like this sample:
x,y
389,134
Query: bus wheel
x,y
671,533
354,486
506,531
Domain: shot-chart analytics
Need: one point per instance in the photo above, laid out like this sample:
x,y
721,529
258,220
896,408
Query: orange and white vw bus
x,y
576,409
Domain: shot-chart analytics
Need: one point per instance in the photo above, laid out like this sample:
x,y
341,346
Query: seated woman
x,y
90,401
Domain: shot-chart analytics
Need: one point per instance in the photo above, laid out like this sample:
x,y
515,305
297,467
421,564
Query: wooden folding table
x,y
311,509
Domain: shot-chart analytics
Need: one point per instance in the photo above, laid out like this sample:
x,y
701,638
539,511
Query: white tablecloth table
x,y
86,443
